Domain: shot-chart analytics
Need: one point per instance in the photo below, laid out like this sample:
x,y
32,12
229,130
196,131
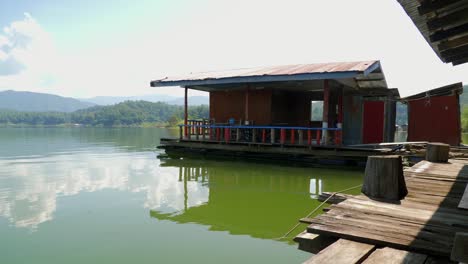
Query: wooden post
x,y
282,136
263,135
339,125
301,137
309,137
254,135
326,104
318,137
293,138
186,112
383,178
437,152
203,129
246,114
197,131
188,131
237,134
227,135
181,133
272,135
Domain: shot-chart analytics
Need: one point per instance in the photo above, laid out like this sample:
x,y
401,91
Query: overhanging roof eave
x,y
256,79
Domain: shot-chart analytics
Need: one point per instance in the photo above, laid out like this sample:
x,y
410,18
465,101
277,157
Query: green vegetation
x,y
464,108
401,114
129,113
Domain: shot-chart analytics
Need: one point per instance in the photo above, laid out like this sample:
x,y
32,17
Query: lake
x,y
102,195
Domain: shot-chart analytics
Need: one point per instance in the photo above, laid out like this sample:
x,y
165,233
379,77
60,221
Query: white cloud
x,y
27,56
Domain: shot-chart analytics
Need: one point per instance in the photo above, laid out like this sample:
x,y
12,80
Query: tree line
x,y
129,113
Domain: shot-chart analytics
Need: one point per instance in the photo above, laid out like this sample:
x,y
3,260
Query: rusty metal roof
x,y
336,70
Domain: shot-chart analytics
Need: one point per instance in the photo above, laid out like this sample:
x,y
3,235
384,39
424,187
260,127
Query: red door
x,y
373,122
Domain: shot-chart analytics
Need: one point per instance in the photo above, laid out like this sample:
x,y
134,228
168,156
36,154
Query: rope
x,y
315,210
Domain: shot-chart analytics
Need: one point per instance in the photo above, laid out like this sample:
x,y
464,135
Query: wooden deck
x,y
420,228
267,151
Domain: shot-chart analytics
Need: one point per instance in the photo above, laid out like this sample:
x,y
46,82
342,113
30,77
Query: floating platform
x,y
338,155
419,229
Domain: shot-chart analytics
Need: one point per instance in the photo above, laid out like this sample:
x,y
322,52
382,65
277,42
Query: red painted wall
x,y
373,122
231,104
435,119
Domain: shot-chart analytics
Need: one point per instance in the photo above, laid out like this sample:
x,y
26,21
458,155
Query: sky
x,y
115,48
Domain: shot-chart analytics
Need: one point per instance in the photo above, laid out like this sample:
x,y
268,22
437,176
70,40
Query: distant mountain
x,y
111,100
39,102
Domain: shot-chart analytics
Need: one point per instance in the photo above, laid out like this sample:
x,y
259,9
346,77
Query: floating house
x,y
304,110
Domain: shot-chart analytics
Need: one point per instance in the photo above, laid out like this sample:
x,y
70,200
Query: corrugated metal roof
x,y
316,71
456,88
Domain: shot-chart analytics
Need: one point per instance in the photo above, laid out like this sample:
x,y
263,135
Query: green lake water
x,y
100,195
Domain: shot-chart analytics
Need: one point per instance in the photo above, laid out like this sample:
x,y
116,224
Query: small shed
x,y
434,115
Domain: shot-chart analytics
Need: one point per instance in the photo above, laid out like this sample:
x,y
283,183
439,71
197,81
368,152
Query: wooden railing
x,y
259,134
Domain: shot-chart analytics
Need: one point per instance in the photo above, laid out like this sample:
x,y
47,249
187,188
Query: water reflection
x,y
256,199
260,200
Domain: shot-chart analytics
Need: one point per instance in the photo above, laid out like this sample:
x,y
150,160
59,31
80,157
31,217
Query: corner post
x,y
186,111
339,125
326,100
246,114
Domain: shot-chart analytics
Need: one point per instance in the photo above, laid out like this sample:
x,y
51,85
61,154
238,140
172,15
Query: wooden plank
x,y
342,251
362,234
394,256
464,200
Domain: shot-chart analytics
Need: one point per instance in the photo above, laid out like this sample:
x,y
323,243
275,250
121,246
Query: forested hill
x,y
39,102
130,113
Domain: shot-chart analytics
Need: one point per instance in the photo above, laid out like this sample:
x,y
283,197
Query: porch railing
x,y
260,134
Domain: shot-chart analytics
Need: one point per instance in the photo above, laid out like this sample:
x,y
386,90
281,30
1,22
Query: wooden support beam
x,y
449,33
272,136
460,61
326,106
428,6
462,50
186,111
453,43
246,114
454,18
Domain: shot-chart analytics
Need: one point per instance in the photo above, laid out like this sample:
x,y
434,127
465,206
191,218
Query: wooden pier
x,y
418,229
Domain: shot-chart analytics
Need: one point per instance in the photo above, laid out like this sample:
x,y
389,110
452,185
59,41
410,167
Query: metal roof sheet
x,y
316,71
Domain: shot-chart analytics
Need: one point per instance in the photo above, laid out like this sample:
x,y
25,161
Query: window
x,y
316,111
